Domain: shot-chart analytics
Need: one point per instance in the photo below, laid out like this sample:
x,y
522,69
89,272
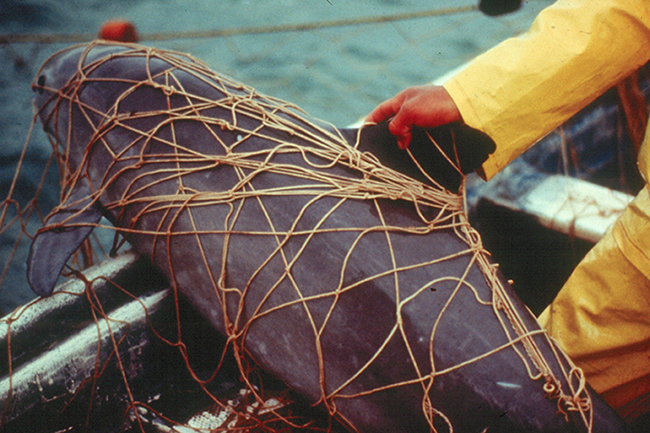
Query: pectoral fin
x,y
63,233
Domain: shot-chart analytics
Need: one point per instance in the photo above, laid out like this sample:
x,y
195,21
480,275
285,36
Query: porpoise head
x,y
80,95
70,223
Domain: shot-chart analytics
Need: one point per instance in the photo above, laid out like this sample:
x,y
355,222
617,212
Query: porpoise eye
x,y
41,84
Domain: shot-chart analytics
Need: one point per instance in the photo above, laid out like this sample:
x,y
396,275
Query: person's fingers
x,y
404,139
400,126
383,111
423,106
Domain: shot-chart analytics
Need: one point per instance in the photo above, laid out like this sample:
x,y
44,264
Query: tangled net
x,y
300,247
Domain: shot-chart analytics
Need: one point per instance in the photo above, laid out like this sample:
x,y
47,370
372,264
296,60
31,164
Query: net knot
x,y
166,89
225,125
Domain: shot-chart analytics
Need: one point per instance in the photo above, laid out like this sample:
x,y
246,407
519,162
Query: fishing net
x,y
346,279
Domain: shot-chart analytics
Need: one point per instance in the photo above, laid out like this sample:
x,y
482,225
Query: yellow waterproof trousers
x,y
601,317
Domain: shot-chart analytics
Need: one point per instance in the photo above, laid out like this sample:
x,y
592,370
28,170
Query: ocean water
x,y
337,73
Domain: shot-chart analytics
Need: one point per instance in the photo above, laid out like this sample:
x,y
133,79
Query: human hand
x,y
423,106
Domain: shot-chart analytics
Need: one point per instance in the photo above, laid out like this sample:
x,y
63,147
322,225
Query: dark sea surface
x,y
336,73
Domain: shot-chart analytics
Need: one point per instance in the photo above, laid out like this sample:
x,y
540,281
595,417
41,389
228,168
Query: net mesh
x,y
262,216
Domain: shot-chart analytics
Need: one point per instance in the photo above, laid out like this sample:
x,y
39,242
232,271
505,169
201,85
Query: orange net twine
x,y
260,217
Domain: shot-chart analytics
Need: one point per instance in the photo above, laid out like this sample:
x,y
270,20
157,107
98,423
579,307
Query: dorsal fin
x,y
377,140
466,147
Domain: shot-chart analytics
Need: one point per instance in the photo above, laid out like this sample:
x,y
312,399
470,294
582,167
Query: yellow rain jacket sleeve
x,y
517,93
527,86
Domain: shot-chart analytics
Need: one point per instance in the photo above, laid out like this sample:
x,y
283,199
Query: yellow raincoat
x,y
517,93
